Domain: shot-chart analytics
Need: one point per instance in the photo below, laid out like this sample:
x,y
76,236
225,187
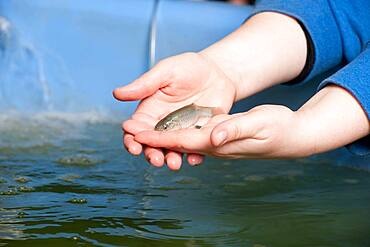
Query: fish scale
x,y
184,117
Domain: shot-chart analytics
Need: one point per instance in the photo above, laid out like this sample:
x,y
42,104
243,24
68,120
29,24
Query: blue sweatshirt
x,y
338,36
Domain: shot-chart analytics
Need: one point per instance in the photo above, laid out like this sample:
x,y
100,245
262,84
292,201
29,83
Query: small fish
x,y
185,117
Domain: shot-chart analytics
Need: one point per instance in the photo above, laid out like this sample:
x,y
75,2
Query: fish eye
x,y
165,126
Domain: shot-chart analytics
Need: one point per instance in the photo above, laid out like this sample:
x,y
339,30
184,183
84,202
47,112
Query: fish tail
x,y
209,111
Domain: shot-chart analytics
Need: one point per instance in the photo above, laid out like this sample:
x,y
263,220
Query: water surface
x,y
65,179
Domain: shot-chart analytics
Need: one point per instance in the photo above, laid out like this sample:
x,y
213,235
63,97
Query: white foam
x,y
20,130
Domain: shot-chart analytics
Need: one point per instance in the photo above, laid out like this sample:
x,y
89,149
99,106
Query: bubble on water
x,y
22,179
21,214
77,200
10,192
25,189
78,160
70,177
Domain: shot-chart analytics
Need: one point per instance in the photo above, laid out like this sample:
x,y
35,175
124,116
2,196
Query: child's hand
x,y
172,84
332,118
240,65
268,131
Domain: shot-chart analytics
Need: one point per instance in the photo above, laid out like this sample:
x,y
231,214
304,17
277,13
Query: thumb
x,y
240,127
145,85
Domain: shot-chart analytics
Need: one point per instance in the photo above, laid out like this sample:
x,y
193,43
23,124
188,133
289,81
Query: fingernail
x,y
119,90
220,137
155,161
126,88
196,163
131,87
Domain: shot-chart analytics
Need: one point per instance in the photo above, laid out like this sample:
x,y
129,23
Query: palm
x,y
190,81
172,84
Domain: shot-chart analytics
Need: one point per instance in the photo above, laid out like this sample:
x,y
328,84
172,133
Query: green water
x,y
65,182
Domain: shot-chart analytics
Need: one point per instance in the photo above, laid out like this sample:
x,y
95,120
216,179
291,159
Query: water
x,y
65,179
33,78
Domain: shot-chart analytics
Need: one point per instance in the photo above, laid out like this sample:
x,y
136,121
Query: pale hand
x,y
171,84
267,131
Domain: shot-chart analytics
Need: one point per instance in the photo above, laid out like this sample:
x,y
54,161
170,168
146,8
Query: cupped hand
x,y
171,84
267,131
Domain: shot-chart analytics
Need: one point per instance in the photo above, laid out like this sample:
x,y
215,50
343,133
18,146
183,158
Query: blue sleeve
x,y
338,34
320,25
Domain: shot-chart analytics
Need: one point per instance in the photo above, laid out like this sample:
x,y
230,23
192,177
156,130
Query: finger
x,y
174,160
131,145
145,85
236,128
195,159
134,126
249,148
155,156
145,118
177,140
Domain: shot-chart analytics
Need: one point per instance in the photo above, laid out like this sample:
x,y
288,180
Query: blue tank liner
x,y
73,53
191,26
68,55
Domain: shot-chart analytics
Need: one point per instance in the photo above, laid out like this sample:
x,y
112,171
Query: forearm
x,y
330,119
268,49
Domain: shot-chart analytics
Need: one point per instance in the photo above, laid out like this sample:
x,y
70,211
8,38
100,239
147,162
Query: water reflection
x,y
8,225
100,195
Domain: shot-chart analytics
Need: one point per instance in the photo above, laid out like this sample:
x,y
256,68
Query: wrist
x,y
220,64
294,141
305,135
270,48
332,118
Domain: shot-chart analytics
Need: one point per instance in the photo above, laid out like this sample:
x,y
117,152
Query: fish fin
x,y
212,110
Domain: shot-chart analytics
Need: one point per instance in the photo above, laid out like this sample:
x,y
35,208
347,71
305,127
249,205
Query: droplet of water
x,y
4,33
